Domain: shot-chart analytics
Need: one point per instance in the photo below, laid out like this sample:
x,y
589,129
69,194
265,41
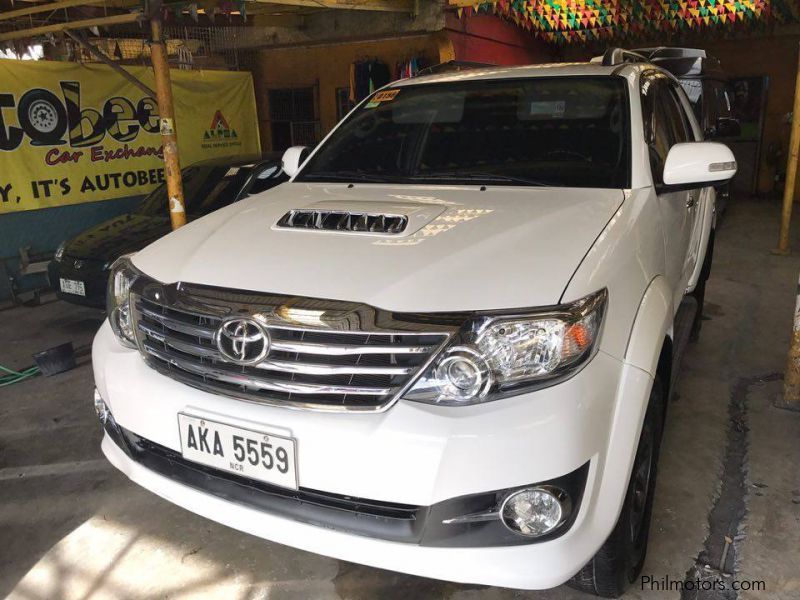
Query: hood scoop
x,y
344,221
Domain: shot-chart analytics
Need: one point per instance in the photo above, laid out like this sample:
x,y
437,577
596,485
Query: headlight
x,y
498,356
60,250
122,275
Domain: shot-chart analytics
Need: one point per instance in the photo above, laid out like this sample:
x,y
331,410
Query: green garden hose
x,y
12,376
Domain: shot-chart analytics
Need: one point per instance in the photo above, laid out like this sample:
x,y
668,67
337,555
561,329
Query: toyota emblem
x,y
242,341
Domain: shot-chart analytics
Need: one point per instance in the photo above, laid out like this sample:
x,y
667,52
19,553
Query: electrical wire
x,y
12,376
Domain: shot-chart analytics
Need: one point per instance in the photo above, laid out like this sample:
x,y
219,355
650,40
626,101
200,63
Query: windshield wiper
x,y
479,176
344,176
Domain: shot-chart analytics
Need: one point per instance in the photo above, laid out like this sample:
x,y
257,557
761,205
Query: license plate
x,y
71,286
254,454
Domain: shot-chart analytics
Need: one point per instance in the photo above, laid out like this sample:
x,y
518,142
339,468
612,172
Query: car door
x,y
700,201
665,125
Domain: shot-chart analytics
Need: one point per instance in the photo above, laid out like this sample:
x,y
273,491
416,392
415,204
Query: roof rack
x,y
453,66
618,56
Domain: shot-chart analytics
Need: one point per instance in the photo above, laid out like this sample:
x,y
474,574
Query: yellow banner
x,y
73,133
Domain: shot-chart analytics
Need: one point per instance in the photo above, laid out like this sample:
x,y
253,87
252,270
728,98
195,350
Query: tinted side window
x,y
664,120
678,122
658,135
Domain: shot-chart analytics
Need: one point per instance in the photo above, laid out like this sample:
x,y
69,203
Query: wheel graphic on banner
x,y
43,116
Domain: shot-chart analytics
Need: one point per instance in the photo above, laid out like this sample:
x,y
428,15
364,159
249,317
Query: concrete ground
x,y
72,527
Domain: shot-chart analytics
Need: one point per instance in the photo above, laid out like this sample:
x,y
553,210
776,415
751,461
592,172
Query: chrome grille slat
x,y
313,369
338,350
176,325
358,359
258,382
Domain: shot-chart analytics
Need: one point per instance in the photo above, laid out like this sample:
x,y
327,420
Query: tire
x,y
619,561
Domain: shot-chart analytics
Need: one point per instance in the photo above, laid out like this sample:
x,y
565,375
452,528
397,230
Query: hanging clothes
x,y
352,94
409,68
362,80
366,76
379,74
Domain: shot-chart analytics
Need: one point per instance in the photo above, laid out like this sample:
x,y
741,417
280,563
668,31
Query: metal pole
x,y
166,111
791,168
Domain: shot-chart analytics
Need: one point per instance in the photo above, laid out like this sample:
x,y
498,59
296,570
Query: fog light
x,y
534,512
100,407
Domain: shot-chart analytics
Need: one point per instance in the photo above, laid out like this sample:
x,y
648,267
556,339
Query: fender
x,y
652,324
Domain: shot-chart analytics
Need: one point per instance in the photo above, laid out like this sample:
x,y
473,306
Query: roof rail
x,y
453,66
618,56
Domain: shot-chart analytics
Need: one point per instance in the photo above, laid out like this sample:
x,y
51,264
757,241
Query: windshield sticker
x,y
548,109
386,95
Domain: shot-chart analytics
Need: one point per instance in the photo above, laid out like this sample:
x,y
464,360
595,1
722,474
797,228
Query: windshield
x,y
555,131
205,189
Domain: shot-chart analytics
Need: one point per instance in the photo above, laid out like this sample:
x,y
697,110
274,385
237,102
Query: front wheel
x,y
619,561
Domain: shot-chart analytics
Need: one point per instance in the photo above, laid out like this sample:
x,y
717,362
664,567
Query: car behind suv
x,y
79,270
445,347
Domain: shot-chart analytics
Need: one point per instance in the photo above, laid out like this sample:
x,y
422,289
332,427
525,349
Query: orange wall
x,y
328,68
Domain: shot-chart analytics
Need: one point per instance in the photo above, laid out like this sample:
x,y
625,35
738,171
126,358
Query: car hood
x,y
464,248
115,237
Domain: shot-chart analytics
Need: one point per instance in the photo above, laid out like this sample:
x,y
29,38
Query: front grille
x,y
337,220
308,367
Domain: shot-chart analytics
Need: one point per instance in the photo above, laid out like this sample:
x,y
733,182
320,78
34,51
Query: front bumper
x,y
412,454
91,273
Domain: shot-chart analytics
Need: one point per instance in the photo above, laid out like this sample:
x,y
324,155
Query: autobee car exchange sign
x,y
73,133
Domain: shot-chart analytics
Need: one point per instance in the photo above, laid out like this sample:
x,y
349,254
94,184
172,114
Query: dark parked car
x,y
79,271
702,78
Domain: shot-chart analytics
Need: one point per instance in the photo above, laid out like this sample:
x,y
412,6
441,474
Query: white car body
x,y
464,249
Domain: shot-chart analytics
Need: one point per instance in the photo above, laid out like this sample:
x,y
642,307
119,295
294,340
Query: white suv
x,y
445,347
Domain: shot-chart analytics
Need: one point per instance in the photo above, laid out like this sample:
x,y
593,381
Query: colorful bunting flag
x,y
570,21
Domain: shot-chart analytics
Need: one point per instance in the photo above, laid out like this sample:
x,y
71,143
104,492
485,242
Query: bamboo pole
x,y
373,5
84,24
47,7
791,377
166,112
791,169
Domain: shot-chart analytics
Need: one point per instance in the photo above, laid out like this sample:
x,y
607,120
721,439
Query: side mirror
x,y
696,164
293,158
725,127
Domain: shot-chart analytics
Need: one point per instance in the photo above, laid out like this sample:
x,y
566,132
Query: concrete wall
x,y
489,39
